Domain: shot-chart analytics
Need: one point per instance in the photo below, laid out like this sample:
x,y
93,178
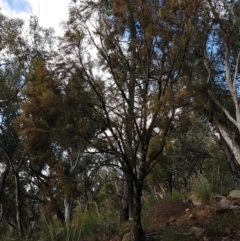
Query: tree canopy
x,y
136,96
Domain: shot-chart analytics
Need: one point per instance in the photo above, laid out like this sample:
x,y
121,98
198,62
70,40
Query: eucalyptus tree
x,y
219,80
132,54
56,125
12,50
16,52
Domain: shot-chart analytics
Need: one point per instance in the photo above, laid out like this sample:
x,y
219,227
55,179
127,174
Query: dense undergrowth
x,y
96,225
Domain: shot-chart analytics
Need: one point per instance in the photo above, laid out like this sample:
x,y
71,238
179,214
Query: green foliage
x,y
172,234
230,220
218,173
222,225
177,196
10,235
71,121
88,222
82,225
202,190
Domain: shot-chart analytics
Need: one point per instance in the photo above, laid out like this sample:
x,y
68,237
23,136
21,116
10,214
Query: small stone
x,y
196,232
223,204
234,194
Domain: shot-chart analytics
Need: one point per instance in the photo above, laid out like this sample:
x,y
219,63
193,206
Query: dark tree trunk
x,y
131,197
2,180
86,188
124,202
56,210
18,212
59,213
176,179
137,227
170,183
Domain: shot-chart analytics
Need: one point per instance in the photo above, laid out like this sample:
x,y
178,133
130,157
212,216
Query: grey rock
x,y
234,194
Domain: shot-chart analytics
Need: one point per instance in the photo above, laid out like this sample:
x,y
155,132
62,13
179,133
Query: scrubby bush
x,y
201,190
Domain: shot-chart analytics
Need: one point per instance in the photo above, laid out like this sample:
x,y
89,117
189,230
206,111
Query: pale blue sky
x,y
49,12
18,6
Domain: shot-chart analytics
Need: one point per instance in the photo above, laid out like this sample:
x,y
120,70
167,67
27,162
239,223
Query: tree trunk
x,y
234,167
56,210
86,188
124,202
18,213
131,197
137,227
228,138
68,207
169,180
2,180
176,181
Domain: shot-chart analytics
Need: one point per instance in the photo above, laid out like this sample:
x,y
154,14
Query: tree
x,y
141,49
16,53
56,125
222,75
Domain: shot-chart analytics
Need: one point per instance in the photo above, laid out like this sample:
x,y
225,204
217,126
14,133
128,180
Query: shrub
x,y
83,224
177,196
222,225
202,190
170,234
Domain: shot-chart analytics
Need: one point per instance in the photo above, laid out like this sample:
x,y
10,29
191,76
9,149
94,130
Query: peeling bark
x,y
234,167
228,137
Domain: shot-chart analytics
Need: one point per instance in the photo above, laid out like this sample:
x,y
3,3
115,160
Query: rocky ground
x,y
170,220
175,220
